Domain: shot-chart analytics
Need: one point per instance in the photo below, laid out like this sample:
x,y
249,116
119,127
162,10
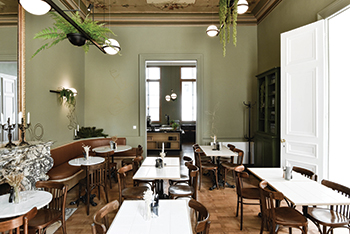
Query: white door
x,y
304,98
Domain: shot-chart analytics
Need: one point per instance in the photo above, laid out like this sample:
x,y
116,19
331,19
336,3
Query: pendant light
x,y
35,7
111,46
212,31
242,6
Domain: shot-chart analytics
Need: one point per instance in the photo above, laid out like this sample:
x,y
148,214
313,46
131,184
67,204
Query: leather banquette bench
x,y
70,175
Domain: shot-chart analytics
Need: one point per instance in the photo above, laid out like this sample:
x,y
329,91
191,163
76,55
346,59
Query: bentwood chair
x,y
128,192
230,166
305,172
55,211
96,177
278,216
186,190
250,194
205,166
18,224
337,216
101,221
138,152
201,213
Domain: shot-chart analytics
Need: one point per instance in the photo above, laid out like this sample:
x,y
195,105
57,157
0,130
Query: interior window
x,y
152,92
188,93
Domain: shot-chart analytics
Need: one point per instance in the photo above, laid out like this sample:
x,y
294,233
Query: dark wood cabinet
x,y
267,137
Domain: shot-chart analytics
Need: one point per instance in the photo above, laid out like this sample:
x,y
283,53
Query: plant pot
x,y
76,39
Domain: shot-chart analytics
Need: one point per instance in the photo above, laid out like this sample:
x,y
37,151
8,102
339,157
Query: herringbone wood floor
x,y
221,204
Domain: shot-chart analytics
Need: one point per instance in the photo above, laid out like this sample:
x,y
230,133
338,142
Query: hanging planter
x,y
228,16
76,39
62,30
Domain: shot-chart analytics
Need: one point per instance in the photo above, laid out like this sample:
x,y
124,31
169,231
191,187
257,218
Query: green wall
x,y
288,15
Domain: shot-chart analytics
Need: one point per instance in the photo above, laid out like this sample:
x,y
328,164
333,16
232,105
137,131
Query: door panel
x,y
303,98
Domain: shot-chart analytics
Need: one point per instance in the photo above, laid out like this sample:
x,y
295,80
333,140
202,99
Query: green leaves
x,y
227,16
61,28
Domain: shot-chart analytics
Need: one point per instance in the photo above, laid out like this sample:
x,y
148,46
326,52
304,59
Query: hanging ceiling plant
x,y
228,15
62,30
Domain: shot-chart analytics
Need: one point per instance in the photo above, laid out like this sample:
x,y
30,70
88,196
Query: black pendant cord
x,y
248,137
75,25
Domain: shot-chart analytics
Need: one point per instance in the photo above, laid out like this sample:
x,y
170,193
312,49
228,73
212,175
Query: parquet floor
x,y
221,204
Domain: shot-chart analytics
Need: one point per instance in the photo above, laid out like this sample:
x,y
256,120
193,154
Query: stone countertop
x,y
157,130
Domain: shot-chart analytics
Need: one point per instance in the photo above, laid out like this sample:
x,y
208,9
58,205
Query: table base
x,y
83,199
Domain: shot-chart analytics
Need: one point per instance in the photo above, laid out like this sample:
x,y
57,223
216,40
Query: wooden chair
x,y
305,172
128,192
186,190
275,217
18,224
232,158
337,216
251,193
205,166
136,162
101,222
96,176
202,217
55,211
230,166
139,152
185,177
203,157
111,166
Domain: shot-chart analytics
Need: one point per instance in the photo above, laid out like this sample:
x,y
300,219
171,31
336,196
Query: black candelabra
x,y
23,129
9,129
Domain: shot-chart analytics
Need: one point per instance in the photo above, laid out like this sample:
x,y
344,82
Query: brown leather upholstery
x,y
62,154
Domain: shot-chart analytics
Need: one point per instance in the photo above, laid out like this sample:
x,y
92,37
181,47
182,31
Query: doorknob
x,y
283,141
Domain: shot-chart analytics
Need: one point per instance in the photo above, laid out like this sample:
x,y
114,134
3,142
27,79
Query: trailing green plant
x,y
62,27
227,15
175,125
69,97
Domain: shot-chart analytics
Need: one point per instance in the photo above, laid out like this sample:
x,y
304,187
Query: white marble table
x,y
107,148
174,218
92,160
300,191
29,199
168,161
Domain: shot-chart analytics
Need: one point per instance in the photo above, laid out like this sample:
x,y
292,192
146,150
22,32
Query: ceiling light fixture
x,y
242,6
171,97
212,31
111,46
35,7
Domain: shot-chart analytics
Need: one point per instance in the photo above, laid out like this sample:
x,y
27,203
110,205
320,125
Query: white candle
x,y
75,132
20,116
28,118
163,147
78,127
13,118
2,119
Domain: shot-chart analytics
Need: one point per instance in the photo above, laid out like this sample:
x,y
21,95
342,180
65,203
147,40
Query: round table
x,y
107,148
92,160
28,200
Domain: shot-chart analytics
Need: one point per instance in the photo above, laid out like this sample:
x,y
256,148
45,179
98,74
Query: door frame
x,y
143,58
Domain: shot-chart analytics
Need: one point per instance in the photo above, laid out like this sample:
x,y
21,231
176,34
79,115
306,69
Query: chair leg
x,y
200,178
64,229
225,172
241,214
106,194
237,206
216,178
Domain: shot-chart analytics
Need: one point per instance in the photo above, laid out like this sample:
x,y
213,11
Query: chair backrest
x,y
15,225
197,153
267,200
136,162
96,174
193,171
59,194
121,175
101,222
240,155
345,191
239,175
187,159
202,214
305,172
139,150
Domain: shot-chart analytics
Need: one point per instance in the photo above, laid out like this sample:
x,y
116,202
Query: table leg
x,y
220,180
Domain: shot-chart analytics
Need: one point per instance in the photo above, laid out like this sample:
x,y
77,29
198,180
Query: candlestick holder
x,y
9,129
23,128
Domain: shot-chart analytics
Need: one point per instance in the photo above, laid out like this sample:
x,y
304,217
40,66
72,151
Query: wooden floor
x,y
221,204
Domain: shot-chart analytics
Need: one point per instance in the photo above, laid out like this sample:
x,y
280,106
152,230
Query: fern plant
x,y
61,28
227,15
69,96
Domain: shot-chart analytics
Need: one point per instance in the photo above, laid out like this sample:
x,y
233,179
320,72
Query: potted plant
x,y
67,95
62,30
228,15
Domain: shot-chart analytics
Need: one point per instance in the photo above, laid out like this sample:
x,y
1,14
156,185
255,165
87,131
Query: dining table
x,y
28,200
78,162
149,171
217,154
300,190
173,218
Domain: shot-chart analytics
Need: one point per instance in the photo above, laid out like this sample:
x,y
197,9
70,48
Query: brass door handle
x,y
283,140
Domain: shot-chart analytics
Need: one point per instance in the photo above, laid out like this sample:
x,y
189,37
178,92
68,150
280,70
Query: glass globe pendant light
x,y
242,6
111,46
212,31
35,7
